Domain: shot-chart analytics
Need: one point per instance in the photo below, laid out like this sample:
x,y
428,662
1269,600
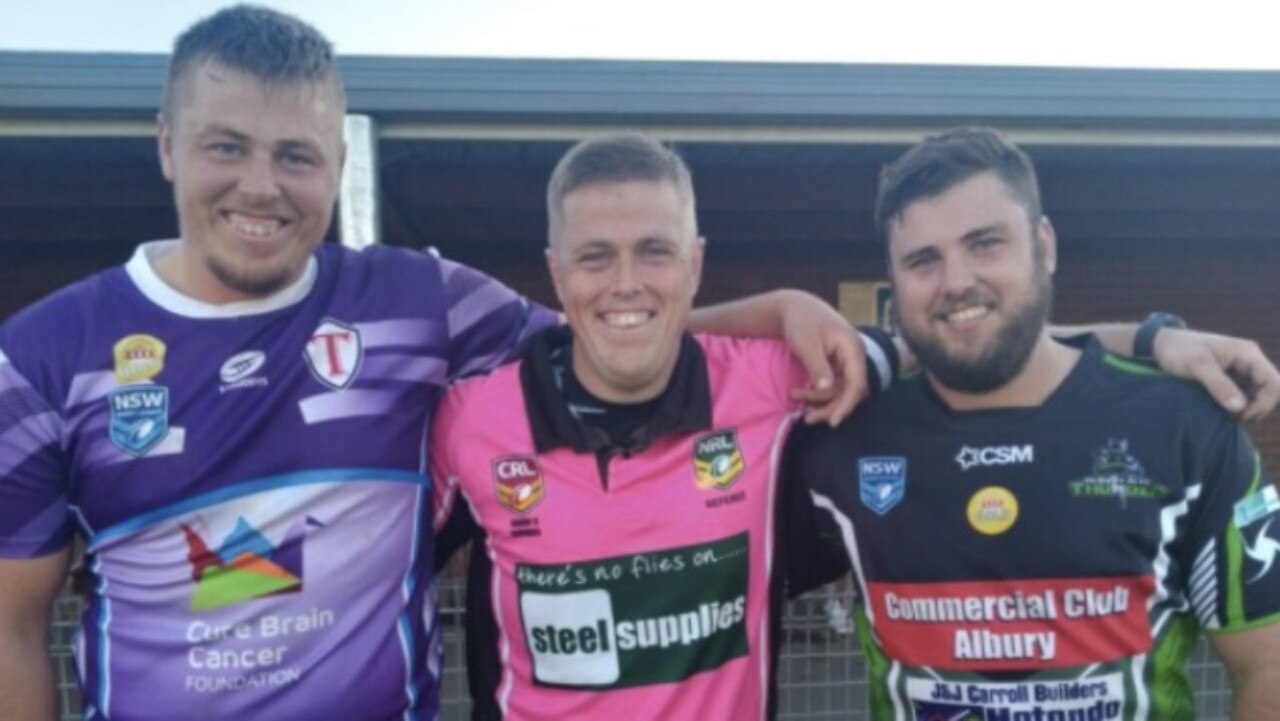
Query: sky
x,y
1237,34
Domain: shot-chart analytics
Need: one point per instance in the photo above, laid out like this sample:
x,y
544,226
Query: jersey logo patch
x,y
334,353
969,457
1258,504
882,482
1264,550
717,460
138,357
992,510
517,481
246,565
238,371
1116,473
139,417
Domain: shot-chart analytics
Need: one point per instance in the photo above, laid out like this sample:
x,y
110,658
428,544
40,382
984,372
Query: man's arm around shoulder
x,y
28,587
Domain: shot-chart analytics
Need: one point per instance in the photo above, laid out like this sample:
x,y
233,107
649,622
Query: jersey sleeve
x,y
1233,540
34,518
883,362
452,524
811,547
488,322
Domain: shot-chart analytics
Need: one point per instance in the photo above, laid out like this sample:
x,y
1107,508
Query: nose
x,y
258,179
627,278
957,276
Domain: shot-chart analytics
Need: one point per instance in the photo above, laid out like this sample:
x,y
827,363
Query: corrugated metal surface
x,y
120,85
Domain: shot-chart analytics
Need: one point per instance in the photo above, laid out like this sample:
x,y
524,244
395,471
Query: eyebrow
x,y
984,230
286,144
219,129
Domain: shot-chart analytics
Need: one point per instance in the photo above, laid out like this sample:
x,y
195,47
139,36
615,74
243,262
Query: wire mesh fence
x,y
821,674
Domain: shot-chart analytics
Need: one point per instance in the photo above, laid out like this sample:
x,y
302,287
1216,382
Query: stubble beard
x,y
258,285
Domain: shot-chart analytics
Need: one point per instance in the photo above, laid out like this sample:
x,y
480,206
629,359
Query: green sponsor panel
x,y
638,619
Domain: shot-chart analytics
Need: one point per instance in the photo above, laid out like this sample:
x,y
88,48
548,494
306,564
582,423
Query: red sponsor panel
x,y
1013,625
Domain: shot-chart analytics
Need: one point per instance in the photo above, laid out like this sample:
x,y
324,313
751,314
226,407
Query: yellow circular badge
x,y
993,510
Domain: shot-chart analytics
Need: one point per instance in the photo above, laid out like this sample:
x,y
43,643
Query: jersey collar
x,y
143,274
684,407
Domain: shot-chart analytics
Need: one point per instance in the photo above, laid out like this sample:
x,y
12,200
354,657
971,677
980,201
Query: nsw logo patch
x,y
139,417
517,481
717,460
882,482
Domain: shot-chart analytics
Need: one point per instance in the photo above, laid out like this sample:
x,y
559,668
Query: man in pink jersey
x,y
622,473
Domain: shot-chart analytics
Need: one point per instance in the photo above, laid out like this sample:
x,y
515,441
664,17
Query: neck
x,y
621,392
1046,368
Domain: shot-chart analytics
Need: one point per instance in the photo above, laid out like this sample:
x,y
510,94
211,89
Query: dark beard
x,y
1006,357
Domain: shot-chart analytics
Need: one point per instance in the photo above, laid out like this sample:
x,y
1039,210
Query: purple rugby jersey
x,y
249,479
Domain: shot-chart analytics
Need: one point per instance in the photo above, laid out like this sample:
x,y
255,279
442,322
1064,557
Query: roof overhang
x,y
86,94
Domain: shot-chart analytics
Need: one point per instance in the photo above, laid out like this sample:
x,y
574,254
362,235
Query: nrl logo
x,y
1117,474
518,482
717,460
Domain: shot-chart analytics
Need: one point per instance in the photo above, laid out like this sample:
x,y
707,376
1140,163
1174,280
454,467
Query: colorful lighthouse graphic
x,y
246,565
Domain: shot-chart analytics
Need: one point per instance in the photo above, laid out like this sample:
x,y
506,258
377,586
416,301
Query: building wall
x,y
1196,232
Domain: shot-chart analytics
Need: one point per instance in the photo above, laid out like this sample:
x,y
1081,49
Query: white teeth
x,y
967,314
625,320
257,228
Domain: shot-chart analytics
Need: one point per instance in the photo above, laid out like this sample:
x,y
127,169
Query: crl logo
x,y
969,457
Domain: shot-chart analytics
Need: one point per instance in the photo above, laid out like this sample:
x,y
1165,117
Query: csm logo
x,y
968,457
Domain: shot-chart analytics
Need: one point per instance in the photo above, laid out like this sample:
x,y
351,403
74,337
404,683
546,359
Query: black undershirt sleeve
x,y
809,543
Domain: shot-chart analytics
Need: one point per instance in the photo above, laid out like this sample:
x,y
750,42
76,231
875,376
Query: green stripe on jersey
x,y
1131,366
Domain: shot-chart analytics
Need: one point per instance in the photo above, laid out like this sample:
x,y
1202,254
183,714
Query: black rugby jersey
x,y
1053,563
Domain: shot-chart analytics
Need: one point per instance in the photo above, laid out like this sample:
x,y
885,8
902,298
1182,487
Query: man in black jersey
x,y
1037,530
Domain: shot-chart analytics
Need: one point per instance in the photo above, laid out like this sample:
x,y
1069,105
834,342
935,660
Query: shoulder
x,y
382,260
49,334
483,395
728,352
1147,390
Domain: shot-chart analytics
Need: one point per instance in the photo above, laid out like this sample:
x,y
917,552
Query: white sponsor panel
x,y
1096,698
571,637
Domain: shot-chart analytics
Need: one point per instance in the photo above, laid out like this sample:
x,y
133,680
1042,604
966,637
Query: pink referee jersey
x,y
630,584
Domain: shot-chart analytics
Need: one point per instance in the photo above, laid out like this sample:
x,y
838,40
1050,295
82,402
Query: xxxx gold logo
x,y
717,460
518,482
138,357
992,510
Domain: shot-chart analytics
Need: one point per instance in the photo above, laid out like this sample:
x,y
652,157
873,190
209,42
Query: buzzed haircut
x,y
942,161
263,43
618,158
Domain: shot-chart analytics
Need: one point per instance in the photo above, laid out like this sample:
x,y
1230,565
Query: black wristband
x,y
1144,341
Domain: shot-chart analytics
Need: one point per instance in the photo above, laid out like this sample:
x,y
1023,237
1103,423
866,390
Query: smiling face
x,y
255,169
626,263
971,282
